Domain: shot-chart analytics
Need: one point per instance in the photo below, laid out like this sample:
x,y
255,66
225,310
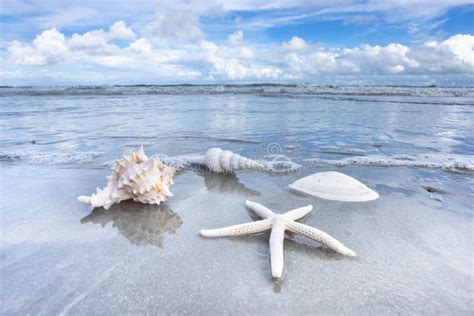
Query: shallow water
x,y
93,127
414,244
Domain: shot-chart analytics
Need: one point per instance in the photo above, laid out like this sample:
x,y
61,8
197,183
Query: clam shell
x,y
336,186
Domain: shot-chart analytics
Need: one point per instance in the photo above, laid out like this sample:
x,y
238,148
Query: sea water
x,y
88,126
414,145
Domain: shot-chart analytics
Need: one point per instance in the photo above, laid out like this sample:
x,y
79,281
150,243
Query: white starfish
x,y
278,224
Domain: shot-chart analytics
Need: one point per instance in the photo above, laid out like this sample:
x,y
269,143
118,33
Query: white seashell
x,y
334,186
136,177
225,161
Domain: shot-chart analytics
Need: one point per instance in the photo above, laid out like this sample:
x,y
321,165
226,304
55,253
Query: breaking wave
x,y
272,163
50,158
178,162
448,162
280,164
255,89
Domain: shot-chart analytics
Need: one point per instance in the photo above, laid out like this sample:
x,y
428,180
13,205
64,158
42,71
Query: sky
x,y
402,42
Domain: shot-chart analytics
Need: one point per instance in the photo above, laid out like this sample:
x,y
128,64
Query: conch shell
x,y
137,177
225,161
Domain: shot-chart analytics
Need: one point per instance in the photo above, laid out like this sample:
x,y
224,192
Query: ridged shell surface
x,y
137,177
225,161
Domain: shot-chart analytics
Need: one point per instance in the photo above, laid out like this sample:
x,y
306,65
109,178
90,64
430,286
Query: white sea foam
x,y
48,158
178,162
450,162
258,89
280,164
272,163
275,164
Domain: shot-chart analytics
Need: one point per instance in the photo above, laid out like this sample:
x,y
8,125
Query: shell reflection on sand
x,y
227,183
142,225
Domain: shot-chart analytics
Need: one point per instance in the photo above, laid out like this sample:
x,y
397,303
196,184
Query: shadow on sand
x,y
223,182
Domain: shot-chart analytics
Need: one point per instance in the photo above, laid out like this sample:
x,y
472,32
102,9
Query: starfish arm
x,y
238,230
276,249
298,213
261,210
320,237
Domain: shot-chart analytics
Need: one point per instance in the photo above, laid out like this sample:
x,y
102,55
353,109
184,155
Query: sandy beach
x,y
414,247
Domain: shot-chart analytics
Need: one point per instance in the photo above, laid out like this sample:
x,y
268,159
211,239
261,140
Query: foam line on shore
x,y
279,165
48,158
445,161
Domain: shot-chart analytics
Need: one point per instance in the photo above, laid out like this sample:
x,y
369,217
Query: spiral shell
x,y
136,177
225,161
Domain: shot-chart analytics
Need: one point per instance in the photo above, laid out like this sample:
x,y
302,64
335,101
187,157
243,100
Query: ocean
x,y
413,145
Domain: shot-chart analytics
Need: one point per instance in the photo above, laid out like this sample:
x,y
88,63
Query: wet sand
x,y
414,247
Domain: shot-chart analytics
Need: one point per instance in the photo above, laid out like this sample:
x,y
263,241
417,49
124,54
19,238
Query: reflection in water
x,y
141,224
226,183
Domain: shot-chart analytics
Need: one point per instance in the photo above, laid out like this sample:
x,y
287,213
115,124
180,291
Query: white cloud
x,y
235,60
389,59
25,55
454,55
93,40
119,30
36,15
99,39
236,38
246,53
174,26
47,48
462,46
225,65
296,43
141,45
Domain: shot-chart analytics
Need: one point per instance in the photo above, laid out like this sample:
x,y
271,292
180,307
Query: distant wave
x,y
255,89
449,162
280,164
49,158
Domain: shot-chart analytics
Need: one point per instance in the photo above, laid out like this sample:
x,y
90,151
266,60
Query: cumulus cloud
x,y
92,40
226,65
236,39
47,48
119,30
454,55
295,43
99,39
461,45
390,59
191,58
142,45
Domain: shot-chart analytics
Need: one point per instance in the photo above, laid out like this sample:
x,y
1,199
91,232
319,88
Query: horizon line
x,y
235,85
